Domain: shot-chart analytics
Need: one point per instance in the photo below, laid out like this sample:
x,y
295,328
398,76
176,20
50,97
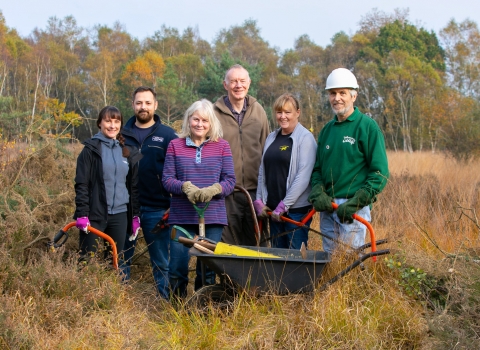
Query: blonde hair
x,y
205,109
282,100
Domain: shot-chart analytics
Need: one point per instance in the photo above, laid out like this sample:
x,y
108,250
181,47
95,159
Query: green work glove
x,y
206,194
190,190
354,204
320,200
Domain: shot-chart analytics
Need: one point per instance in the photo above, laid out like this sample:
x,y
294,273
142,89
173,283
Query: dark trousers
x,y
240,229
115,227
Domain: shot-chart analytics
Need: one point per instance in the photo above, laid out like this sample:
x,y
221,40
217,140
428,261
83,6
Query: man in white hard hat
x,y
351,167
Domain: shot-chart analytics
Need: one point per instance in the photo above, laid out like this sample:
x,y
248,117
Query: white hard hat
x,y
341,78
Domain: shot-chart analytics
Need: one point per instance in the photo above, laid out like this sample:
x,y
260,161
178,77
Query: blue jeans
x,y
292,240
352,234
158,246
179,261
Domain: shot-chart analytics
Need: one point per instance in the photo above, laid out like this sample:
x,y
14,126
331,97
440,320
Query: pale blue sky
x,y
281,21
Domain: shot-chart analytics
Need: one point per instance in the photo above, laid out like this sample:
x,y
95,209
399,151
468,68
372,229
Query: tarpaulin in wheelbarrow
x,y
289,274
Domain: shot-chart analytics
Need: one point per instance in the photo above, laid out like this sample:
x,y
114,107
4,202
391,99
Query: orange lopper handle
x,y
369,227
102,235
355,216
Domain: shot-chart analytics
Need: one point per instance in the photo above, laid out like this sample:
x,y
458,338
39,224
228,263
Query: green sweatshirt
x,y
350,156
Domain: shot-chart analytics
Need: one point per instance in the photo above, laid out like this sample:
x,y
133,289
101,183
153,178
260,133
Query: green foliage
x,y
398,36
463,137
173,97
412,280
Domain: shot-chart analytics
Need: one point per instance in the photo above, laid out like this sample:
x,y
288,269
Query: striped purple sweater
x,y
204,165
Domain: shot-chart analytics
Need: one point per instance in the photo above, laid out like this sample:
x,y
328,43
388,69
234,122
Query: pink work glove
x,y
83,223
135,228
279,211
260,208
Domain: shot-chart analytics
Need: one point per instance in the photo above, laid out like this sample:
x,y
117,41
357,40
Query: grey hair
x,y
353,93
235,66
205,109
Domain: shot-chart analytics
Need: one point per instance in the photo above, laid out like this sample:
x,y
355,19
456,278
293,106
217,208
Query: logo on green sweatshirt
x,y
348,139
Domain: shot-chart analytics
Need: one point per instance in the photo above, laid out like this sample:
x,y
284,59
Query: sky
x,y
281,22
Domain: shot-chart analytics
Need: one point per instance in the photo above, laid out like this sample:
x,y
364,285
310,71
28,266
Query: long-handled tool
x,y
221,248
201,218
373,242
57,241
256,225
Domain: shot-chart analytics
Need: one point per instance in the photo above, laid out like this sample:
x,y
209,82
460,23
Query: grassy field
x,y
425,295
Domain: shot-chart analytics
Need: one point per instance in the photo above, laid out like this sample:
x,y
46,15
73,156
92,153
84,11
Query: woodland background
x,y
422,88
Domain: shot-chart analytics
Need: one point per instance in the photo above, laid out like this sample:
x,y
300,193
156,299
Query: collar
x,y
189,142
351,117
230,107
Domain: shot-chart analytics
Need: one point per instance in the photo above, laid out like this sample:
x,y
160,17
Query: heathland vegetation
x,y
424,92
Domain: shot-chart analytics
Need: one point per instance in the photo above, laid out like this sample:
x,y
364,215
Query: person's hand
x,y
135,228
261,209
346,210
279,211
207,193
83,223
190,190
320,199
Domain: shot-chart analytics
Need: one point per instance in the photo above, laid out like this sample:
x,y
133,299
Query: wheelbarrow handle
x,y
100,234
356,263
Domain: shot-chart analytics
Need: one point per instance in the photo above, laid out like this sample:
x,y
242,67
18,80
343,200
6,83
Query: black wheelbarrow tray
x,y
288,274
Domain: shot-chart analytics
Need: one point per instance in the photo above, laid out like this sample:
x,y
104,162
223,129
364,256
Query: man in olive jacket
x,y
245,127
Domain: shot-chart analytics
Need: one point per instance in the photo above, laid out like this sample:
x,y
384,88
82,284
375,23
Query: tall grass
x,y
428,212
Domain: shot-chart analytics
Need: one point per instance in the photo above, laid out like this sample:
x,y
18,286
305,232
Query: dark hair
x,y
143,89
110,112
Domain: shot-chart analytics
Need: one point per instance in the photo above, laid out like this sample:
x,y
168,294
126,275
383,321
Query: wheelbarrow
x,y
62,236
290,271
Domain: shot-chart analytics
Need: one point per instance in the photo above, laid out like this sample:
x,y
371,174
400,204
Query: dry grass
x,y
428,212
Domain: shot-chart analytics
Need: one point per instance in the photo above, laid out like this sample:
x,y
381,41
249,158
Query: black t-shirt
x,y
276,162
141,133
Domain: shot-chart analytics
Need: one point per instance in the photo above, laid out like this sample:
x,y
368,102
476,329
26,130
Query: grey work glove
x,y
190,190
206,194
320,199
346,210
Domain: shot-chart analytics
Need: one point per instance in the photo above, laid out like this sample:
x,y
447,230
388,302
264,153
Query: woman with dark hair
x,y
284,175
106,196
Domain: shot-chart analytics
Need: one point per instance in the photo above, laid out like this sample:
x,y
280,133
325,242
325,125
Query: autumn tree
x,y
168,42
462,50
112,49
